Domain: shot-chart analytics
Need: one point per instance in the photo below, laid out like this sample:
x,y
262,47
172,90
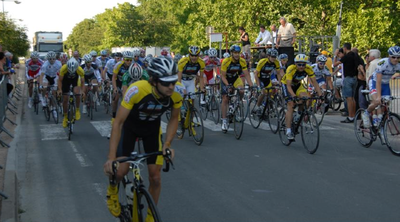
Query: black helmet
x,y
164,69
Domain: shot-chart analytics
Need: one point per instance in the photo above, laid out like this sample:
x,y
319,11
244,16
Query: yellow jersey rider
x,y
231,68
188,69
144,103
292,86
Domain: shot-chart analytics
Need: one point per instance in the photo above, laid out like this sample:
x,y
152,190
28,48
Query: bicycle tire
x,y
214,107
282,128
253,117
55,108
196,122
246,109
95,101
364,135
273,116
309,126
319,111
337,102
392,130
70,121
238,119
36,102
203,110
149,205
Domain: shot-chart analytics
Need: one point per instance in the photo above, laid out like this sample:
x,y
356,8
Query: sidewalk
x,y
8,175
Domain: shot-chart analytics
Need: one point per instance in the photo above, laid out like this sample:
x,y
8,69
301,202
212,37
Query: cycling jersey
x,y
119,70
320,74
210,64
189,70
91,72
266,70
233,69
146,109
103,61
110,66
386,69
32,68
70,78
283,67
51,70
296,76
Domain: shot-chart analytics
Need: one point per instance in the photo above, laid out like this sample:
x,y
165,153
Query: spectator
x,y
350,63
328,60
263,37
76,55
373,59
274,32
244,38
361,83
286,34
5,73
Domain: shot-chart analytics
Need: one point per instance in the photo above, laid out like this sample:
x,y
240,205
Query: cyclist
x,y
189,67
92,75
109,67
212,63
32,69
142,55
50,69
119,70
265,74
283,60
133,74
322,75
140,116
103,58
379,83
69,75
231,68
136,55
293,87
63,58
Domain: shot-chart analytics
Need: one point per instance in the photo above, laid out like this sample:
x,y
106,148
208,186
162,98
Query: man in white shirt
x,y
286,34
374,57
263,37
274,32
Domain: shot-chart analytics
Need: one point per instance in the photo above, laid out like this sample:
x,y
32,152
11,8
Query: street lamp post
x,y
15,1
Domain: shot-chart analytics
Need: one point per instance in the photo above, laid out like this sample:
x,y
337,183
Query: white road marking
x,y
103,127
80,157
98,187
52,132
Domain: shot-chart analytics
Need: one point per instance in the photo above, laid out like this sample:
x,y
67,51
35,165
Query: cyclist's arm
x,y
60,79
114,81
379,86
223,78
257,79
329,80
248,78
315,84
180,76
98,76
103,74
124,87
171,127
201,81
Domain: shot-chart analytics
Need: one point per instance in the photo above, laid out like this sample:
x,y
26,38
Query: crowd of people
x,y
7,69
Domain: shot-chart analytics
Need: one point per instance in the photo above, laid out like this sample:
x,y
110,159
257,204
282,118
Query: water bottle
x,y
231,108
129,191
375,120
296,117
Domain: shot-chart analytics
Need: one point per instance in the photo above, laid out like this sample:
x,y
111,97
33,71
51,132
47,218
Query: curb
x,y
10,206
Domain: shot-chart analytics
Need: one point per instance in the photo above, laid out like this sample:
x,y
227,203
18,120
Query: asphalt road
x,y
255,178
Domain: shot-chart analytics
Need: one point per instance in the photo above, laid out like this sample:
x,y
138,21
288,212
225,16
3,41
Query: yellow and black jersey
x,y
189,70
265,68
146,109
233,68
296,76
119,69
64,72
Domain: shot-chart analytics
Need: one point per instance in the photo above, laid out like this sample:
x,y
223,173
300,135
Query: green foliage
x,y
179,23
13,37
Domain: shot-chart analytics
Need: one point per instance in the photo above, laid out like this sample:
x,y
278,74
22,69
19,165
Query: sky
x,y
56,15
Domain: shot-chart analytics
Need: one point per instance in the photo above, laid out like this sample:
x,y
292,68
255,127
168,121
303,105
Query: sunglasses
x,y
321,63
395,57
166,84
301,64
103,56
128,60
194,55
52,59
274,57
212,57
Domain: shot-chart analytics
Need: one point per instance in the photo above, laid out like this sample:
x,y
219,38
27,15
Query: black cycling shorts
x,y
67,82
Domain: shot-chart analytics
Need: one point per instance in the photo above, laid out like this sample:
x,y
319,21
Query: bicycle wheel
x,y
238,119
337,102
282,128
319,111
392,133
71,113
54,110
273,116
310,132
364,135
145,207
181,129
95,101
36,102
246,109
203,110
255,120
46,112
214,109
196,127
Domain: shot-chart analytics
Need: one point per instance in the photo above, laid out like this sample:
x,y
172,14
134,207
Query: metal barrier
x,y
395,91
4,106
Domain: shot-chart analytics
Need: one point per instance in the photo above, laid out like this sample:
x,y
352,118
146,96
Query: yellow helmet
x,y
301,58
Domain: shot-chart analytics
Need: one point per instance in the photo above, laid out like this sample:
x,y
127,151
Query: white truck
x,y
43,42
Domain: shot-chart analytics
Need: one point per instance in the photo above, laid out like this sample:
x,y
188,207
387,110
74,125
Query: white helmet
x,y
93,53
212,52
127,54
135,71
136,52
321,58
163,68
87,58
103,52
34,55
72,65
226,55
51,55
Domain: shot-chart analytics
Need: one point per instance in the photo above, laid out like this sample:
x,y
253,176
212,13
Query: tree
x,y
13,37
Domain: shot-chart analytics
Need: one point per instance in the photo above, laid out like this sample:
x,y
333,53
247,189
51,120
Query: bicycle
x,y
52,105
191,120
91,99
71,111
35,96
388,128
321,107
107,91
268,110
136,199
211,105
306,121
336,102
235,111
